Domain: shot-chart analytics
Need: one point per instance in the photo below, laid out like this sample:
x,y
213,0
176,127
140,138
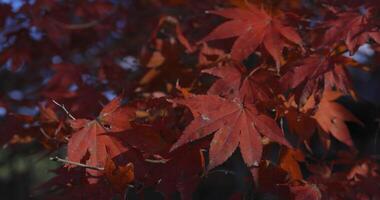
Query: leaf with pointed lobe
x,y
339,79
300,123
273,180
208,55
235,123
149,139
184,169
306,192
254,27
312,73
331,116
236,81
354,26
289,162
92,136
119,176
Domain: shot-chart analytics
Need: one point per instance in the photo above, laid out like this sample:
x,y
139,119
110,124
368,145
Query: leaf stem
x,y
57,159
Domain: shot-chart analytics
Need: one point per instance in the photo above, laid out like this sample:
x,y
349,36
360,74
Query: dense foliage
x,y
174,98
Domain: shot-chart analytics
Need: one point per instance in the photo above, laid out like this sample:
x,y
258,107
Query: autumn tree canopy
x,y
170,98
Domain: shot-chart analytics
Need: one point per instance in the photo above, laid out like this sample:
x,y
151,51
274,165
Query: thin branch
x,y
64,109
81,26
377,133
45,134
57,159
163,161
55,133
253,71
226,172
85,25
282,125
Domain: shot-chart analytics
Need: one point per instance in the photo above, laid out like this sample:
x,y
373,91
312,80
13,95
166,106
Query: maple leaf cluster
x,y
157,97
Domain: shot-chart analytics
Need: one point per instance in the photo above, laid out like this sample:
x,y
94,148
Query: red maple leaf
x,y
355,27
92,136
184,167
236,81
331,116
119,176
253,27
237,124
306,192
311,74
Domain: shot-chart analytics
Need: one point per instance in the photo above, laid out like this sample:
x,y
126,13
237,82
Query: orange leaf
x,y
119,176
289,162
332,116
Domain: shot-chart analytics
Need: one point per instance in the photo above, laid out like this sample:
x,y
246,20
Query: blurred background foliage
x,y
23,167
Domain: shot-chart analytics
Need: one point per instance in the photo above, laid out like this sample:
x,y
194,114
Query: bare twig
x,y
85,25
253,71
57,159
50,138
163,161
226,172
377,133
282,125
64,109
81,26
45,134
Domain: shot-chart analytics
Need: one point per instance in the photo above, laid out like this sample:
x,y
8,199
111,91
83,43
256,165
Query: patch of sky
x,y
116,35
93,51
46,74
73,87
120,24
56,59
35,34
88,79
3,111
16,4
8,65
129,63
362,55
16,95
31,111
109,94
77,58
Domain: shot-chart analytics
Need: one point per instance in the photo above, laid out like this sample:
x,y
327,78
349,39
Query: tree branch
x,y
163,161
57,159
64,109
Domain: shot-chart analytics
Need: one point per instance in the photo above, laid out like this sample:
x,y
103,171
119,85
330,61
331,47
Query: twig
x,y
226,172
55,133
282,125
64,109
85,25
80,26
57,159
45,134
163,161
377,133
253,71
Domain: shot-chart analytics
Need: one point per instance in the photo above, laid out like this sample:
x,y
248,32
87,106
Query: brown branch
x,y
64,109
226,172
57,159
45,134
163,161
50,138
377,133
80,26
86,25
